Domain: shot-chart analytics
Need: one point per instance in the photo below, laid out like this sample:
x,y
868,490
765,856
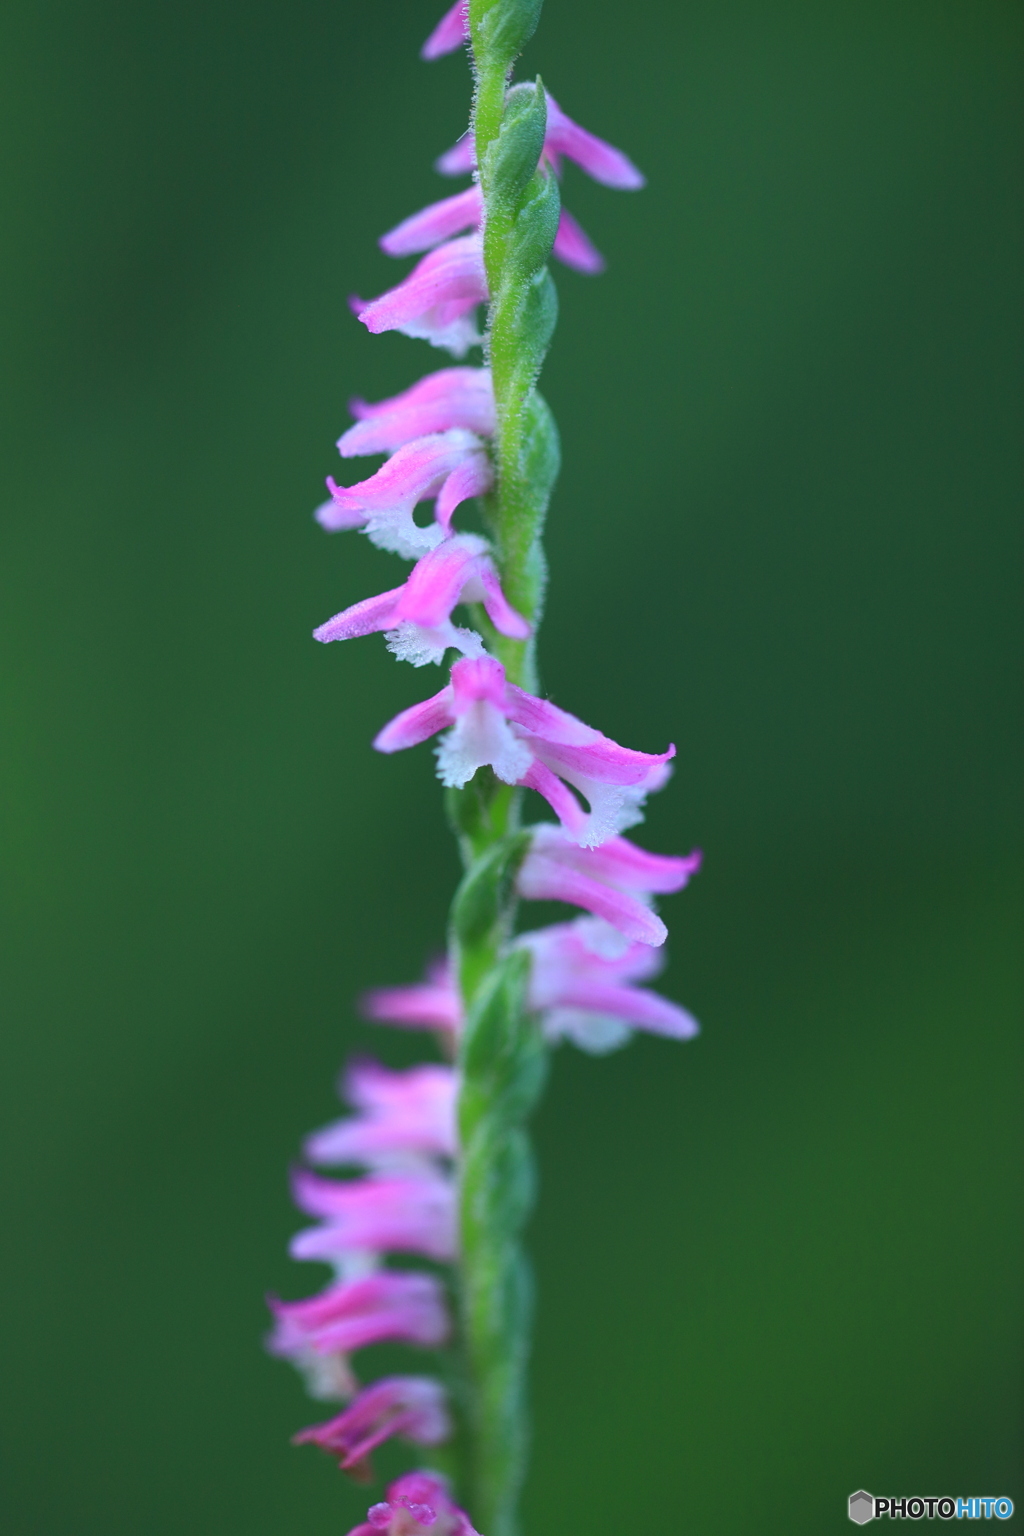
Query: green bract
x,y
501,29
503,1061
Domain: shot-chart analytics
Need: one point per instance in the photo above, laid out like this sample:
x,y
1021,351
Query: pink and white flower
x,y
404,1212
403,1306
451,397
440,221
615,882
528,741
449,466
416,617
564,139
401,1118
436,302
418,1504
582,983
413,1407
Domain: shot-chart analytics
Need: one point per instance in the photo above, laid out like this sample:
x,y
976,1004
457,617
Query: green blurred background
x,y
777,1264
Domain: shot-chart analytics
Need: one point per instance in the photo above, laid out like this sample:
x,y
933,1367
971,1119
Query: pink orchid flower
x,y
528,741
437,300
418,1504
440,221
614,882
451,397
449,466
564,139
401,1118
406,1212
430,1004
581,981
416,617
404,1306
410,1406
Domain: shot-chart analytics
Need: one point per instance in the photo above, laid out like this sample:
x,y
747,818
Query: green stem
x,y
502,1056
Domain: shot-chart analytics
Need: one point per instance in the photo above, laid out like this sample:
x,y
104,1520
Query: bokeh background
x,y
777,1264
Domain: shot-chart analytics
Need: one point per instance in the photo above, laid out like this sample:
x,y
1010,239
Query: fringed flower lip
x,y
416,617
448,467
529,741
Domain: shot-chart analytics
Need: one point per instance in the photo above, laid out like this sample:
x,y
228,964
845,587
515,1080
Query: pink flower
x,y
581,981
615,881
409,1212
410,1406
440,221
416,1504
451,466
416,617
437,222
452,397
437,299
430,1004
401,1117
401,1305
601,161
529,741
450,33
564,139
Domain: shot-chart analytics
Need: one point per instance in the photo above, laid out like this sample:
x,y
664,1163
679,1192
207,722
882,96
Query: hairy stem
x,y
502,1056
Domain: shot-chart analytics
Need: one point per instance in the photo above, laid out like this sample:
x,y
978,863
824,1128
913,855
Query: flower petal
x,y
545,879
574,247
451,397
450,33
369,617
434,224
416,724
600,160
434,302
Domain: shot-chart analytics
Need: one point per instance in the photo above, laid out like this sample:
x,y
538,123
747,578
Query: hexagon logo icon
x,y
862,1507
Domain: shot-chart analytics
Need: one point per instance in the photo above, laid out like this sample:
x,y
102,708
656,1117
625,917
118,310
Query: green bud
x,y
501,29
483,895
498,1183
534,228
521,330
541,452
511,159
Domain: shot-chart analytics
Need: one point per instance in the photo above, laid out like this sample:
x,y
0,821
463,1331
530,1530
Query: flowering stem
x,y
502,1055
450,1169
